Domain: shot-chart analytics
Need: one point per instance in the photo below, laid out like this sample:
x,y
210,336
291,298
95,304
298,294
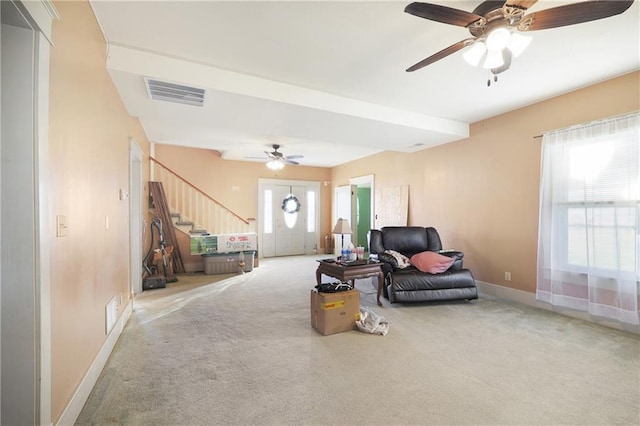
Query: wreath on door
x,y
290,204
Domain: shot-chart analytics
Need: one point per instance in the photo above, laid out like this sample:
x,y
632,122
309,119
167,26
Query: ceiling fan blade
x,y
487,6
570,14
286,160
441,54
293,157
443,14
271,154
522,4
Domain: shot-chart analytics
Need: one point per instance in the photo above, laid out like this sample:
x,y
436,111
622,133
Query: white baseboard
x,y
529,299
73,409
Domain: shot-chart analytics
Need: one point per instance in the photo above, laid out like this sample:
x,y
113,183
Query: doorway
x,y
25,369
288,217
364,208
355,203
135,217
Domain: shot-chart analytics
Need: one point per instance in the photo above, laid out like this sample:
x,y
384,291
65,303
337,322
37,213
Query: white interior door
x,y
135,217
25,350
344,207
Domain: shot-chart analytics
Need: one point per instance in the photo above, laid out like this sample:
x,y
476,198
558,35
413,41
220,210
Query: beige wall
x,y
89,147
481,193
234,184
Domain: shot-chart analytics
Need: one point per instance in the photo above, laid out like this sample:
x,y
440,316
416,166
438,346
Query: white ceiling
x,y
327,79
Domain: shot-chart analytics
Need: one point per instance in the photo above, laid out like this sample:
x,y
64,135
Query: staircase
x,y
192,210
186,225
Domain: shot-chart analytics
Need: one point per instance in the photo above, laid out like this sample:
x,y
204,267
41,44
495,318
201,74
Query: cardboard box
x,y
223,243
203,244
237,242
334,312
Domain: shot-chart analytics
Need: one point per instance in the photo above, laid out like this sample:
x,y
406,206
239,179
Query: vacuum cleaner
x,y
154,277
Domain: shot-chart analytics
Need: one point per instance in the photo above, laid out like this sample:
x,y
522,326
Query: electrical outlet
x,y
507,276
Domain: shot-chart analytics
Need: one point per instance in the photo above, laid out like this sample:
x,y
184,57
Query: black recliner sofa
x,y
410,284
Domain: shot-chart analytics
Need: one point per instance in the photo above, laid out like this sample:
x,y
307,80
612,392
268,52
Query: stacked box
x,y
334,312
227,263
203,244
223,243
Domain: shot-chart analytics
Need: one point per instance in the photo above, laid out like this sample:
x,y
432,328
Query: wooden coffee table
x,y
351,272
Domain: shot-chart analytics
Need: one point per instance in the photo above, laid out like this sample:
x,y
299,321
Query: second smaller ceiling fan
x,y
277,155
276,160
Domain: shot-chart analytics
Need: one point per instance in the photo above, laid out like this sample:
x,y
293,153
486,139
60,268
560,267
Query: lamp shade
x,y
342,227
498,39
518,43
475,53
494,59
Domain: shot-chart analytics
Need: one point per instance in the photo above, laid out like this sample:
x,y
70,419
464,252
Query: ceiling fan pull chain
x,y
495,77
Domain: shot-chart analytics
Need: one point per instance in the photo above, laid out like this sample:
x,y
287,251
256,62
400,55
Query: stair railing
x,y
192,202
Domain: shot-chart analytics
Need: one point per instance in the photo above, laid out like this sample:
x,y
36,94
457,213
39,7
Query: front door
x,y
288,218
289,224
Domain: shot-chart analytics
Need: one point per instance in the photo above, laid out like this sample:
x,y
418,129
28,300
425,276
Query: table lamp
x,y
342,227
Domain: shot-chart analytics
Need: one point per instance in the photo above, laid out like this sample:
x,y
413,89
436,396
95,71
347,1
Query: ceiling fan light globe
x,y
494,59
518,43
475,53
275,165
498,39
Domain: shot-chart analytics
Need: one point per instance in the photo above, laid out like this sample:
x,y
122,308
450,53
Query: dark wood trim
x,y
199,190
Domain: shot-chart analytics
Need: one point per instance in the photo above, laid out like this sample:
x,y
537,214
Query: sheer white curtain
x,y
589,233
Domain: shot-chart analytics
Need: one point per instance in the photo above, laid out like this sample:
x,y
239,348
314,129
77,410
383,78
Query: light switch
x,y
61,226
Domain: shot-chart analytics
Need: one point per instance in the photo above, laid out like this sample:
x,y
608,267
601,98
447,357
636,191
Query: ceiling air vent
x,y
172,92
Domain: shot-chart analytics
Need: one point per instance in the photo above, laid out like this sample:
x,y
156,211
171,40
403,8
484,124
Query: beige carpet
x,y
239,350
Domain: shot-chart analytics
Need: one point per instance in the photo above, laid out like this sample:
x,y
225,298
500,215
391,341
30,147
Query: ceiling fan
x,y
495,27
276,160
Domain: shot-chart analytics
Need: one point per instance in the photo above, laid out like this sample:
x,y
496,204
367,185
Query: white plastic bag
x,y
370,322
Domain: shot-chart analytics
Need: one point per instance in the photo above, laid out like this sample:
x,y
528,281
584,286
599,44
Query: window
x,y
311,211
602,204
290,207
290,219
589,241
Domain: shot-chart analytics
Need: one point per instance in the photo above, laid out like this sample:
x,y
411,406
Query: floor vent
x,y
172,92
111,314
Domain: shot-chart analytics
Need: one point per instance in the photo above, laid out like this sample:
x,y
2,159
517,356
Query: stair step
x,y
198,231
184,223
175,214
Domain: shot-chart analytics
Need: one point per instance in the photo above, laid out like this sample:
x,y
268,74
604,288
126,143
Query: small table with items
x,y
350,271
